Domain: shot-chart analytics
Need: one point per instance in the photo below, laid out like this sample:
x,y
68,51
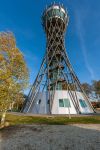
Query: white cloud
x,y
81,33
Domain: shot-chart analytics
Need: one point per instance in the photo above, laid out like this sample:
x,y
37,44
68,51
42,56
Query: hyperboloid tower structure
x,y
56,89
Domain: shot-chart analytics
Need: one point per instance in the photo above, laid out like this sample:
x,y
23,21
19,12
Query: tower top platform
x,y
53,12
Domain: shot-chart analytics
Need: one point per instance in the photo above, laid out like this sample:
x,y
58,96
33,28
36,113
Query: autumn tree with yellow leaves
x,y
13,73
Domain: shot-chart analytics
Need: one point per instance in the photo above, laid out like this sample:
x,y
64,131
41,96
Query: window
x,y
61,103
61,14
57,12
64,103
48,101
67,103
39,101
55,75
82,102
59,86
50,13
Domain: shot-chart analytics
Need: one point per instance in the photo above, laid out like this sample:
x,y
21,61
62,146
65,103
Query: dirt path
x,y
51,137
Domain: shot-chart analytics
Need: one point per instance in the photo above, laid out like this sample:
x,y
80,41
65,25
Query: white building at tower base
x,y
62,104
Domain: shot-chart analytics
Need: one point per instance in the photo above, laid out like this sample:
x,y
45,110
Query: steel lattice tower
x,y
56,72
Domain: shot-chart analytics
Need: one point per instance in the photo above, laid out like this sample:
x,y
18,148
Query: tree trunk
x,y
3,117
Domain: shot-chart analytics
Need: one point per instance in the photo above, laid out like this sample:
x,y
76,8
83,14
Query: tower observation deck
x,y
56,89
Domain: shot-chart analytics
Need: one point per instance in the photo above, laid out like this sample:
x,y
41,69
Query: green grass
x,y
55,120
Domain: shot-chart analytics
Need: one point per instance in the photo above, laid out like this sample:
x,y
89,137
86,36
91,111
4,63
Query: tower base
x,y
62,104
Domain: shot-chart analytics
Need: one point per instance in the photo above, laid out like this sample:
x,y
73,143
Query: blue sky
x,y
23,18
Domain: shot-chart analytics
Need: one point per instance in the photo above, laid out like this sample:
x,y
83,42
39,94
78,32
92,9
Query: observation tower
x,y
56,89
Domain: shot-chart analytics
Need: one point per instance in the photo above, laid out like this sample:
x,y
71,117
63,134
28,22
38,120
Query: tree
x,y
18,104
96,87
13,72
87,88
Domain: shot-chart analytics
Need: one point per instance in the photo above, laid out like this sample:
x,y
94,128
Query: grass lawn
x,y
52,120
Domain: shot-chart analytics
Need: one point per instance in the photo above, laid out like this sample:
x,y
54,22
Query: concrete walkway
x,y
51,137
